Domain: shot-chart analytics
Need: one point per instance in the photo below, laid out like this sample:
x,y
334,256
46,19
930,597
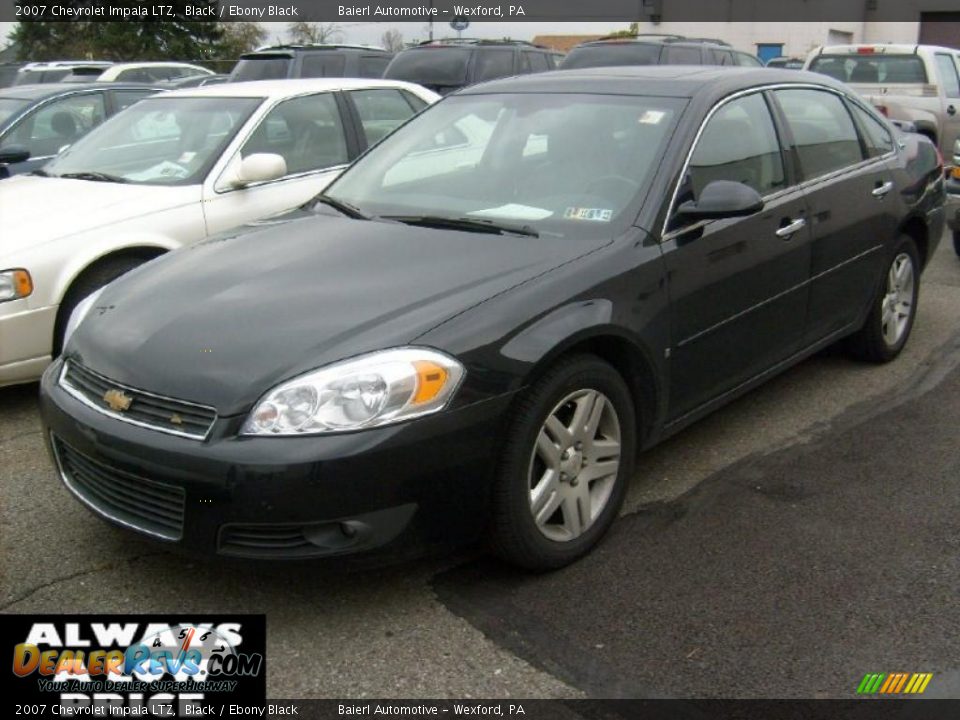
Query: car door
x,y
851,200
738,286
308,132
52,126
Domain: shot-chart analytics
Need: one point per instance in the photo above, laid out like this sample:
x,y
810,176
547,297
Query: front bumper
x,y
26,337
402,488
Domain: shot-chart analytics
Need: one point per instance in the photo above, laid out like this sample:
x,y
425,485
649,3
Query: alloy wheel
x,y
897,303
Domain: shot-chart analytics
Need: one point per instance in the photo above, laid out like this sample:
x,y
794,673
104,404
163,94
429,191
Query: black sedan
x,y
37,121
491,312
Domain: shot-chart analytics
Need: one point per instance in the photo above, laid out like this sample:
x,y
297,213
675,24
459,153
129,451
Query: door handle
x,y
787,230
882,190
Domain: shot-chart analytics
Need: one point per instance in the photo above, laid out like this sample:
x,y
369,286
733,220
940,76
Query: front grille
x,y
176,417
149,506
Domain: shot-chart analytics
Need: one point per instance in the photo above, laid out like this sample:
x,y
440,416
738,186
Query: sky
x,y
368,33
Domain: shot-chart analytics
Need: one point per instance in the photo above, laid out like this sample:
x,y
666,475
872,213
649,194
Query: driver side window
x,y
739,143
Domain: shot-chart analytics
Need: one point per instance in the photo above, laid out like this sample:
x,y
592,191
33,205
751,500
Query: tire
x,y
956,242
568,486
883,335
89,281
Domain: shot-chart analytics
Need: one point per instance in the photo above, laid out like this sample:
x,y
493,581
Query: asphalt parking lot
x,y
788,544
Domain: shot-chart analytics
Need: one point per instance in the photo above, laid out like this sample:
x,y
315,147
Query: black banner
x,y
420,11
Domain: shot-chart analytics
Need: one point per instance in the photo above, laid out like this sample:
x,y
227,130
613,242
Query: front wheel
x,y
565,467
890,321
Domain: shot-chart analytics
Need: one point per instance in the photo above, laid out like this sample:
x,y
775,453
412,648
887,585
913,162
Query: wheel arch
x,y
628,357
917,229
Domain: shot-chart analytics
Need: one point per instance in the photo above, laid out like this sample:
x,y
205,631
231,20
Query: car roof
x,y
285,88
151,63
659,80
40,91
280,49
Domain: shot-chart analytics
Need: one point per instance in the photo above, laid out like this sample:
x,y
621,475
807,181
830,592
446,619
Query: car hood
x,y
221,322
35,210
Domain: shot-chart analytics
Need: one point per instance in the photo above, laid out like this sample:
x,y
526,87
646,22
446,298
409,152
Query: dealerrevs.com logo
x,y
135,665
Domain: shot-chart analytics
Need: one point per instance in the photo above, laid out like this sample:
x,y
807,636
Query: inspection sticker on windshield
x,y
651,117
595,214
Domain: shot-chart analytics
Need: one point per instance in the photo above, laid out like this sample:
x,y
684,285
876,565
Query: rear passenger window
x,y
491,64
876,137
722,57
380,112
322,65
739,143
822,129
948,75
372,66
681,55
538,61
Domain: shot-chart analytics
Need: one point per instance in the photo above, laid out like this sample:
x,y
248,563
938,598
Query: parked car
x,y
8,73
171,170
56,71
195,81
448,65
655,50
483,348
37,121
148,72
953,197
309,61
786,63
915,83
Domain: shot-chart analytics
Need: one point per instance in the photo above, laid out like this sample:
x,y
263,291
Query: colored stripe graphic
x,y
894,683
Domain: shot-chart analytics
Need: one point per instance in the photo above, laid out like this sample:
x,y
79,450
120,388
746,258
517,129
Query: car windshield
x,y
158,141
263,67
11,106
610,54
871,69
568,164
436,66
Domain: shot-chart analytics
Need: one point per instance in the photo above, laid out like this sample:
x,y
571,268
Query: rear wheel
x,y
89,281
565,467
890,321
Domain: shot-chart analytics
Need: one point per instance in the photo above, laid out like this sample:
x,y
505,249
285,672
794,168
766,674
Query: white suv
x,y
166,172
912,83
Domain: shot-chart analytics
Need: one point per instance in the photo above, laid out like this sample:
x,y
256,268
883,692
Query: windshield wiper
x,y
344,207
95,176
462,223
41,173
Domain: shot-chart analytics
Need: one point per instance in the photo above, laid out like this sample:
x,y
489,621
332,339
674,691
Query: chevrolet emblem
x,y
176,419
117,400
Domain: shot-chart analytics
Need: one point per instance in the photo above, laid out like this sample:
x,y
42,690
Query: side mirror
x,y
14,154
259,167
723,199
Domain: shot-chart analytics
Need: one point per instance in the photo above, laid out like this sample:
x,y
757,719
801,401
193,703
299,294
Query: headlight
x,y
367,391
79,313
15,284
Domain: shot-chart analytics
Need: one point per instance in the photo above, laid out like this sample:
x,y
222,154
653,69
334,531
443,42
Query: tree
x,y
239,38
392,40
633,31
306,33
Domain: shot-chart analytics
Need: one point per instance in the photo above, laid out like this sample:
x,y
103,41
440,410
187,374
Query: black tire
x,y
514,534
89,281
956,242
869,343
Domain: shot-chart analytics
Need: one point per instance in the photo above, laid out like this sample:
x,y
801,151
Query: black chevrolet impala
x,y
482,322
